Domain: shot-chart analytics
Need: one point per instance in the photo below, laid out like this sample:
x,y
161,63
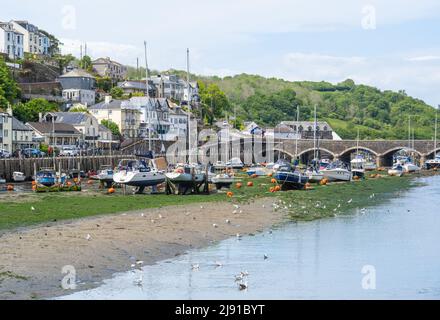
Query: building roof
x,y
306,124
18,125
77,73
136,85
73,118
106,60
152,104
112,105
282,128
47,128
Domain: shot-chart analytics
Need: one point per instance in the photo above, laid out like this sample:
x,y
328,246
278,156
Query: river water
x,y
398,243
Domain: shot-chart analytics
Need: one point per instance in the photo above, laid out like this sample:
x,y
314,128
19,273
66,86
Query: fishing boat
x,y
257,170
186,173
358,166
396,170
410,167
220,165
337,172
289,178
433,163
235,163
18,176
46,177
137,173
223,180
105,175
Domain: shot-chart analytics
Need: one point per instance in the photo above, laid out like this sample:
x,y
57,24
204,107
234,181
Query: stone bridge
x,y
382,150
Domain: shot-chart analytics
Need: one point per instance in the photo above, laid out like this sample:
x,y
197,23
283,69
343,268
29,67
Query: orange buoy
x,y
277,188
273,180
272,189
10,187
34,183
230,194
254,176
323,182
34,187
238,185
356,178
69,183
250,184
111,190
270,174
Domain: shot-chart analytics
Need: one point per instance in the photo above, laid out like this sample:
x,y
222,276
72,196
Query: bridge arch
x,y
432,153
387,156
350,150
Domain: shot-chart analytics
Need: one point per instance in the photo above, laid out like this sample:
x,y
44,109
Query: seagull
x,y
236,206
235,212
153,221
195,267
238,236
242,286
139,281
32,208
228,221
218,264
160,216
142,215
266,257
239,277
215,225
139,263
88,237
350,201
201,207
244,273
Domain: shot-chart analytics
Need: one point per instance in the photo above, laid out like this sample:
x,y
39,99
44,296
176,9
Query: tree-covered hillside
x,y
346,106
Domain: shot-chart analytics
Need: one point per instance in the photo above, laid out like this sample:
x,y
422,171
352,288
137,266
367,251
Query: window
x,y
6,133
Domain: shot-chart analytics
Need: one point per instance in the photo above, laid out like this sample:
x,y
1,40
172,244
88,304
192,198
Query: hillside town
x,y
158,108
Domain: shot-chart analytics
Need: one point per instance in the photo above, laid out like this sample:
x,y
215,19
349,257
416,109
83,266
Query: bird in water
x,y
266,257
195,267
242,286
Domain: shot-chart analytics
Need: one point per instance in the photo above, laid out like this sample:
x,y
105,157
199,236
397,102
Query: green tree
x,y
79,108
112,126
28,112
104,83
116,93
9,90
86,63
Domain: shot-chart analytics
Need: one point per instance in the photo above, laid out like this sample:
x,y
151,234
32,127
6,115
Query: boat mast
x,y
297,136
53,142
435,134
188,104
314,136
148,96
409,132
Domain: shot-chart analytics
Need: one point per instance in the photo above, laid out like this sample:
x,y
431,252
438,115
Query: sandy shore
x,y
31,260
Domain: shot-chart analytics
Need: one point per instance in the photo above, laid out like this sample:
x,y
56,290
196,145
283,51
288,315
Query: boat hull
x,y
395,173
178,178
337,175
291,180
139,179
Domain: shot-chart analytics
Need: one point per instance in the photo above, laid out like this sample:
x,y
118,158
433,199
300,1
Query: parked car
x,y
4,153
69,152
32,153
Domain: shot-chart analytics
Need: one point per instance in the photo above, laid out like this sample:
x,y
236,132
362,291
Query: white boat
x,y
186,174
314,174
337,172
357,166
235,163
2,181
396,170
222,180
137,173
18,176
105,175
219,165
370,166
433,163
410,167
257,170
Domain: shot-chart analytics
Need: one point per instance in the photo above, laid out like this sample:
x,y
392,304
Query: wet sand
x,y
31,260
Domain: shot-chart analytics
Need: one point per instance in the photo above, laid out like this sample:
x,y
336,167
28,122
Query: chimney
x,y
40,117
108,99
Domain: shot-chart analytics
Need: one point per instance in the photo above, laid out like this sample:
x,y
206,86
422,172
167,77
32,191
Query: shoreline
x,y
32,257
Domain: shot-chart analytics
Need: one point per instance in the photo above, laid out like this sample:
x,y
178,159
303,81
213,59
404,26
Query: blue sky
x,y
391,44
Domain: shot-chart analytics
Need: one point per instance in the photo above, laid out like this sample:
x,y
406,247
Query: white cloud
x,y
424,58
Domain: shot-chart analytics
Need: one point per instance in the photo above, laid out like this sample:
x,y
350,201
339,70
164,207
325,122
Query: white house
x,y
34,41
11,41
6,130
21,135
179,122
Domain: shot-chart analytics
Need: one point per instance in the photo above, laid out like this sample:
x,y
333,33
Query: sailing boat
x,y
187,173
357,164
313,172
434,163
408,165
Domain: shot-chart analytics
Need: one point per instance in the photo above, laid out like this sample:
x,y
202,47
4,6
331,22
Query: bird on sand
x,y
350,201
88,237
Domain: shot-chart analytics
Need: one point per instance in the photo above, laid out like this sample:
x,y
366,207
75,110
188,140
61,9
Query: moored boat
x,y
105,175
184,174
433,163
235,163
18,176
289,178
137,173
337,172
396,171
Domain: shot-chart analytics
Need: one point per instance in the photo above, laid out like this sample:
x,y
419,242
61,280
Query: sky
x,y
390,44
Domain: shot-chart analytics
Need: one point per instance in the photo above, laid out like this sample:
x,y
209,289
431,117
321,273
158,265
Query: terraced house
x,y
35,41
11,41
6,130
106,67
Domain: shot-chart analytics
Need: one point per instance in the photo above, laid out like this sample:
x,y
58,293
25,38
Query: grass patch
x,y
302,205
10,275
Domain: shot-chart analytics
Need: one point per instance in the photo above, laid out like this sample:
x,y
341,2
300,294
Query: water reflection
x,y
314,260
